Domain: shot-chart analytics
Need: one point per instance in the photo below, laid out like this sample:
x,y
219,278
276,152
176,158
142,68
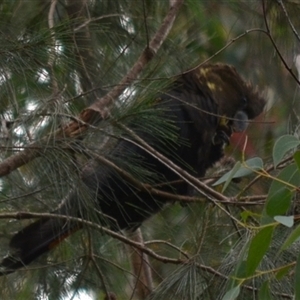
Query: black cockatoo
x,y
205,106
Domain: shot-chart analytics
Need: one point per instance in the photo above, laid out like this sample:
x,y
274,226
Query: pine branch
x,y
101,106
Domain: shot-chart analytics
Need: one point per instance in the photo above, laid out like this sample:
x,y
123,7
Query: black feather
x,y
201,105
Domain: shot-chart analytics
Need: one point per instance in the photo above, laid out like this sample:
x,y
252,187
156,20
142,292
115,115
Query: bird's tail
x,y
34,240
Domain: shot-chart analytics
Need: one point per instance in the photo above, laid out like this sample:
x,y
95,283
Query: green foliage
x,y
284,144
257,249
297,278
277,212
240,170
293,237
232,294
282,190
52,67
264,292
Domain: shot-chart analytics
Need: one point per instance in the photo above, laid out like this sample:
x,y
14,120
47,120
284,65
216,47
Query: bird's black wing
x,y
203,106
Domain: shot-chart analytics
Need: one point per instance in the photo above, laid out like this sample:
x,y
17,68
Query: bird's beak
x,y
240,122
226,127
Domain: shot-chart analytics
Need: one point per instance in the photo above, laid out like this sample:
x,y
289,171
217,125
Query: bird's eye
x,y
244,101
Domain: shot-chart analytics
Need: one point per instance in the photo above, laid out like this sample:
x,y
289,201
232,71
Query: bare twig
x,y
101,276
267,170
268,31
51,60
226,46
82,222
141,268
86,23
169,245
289,20
202,188
193,181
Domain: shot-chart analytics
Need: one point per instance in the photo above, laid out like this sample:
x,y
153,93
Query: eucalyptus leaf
x,y
293,237
241,170
287,221
232,294
259,245
264,292
282,190
297,279
284,144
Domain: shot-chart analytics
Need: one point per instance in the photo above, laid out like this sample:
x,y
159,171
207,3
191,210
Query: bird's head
x,y
237,100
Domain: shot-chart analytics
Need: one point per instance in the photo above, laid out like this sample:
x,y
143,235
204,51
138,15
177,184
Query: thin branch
x,y
215,197
86,23
235,201
289,20
51,60
275,45
141,268
87,64
101,276
191,180
122,238
267,170
226,46
145,21
82,222
168,244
